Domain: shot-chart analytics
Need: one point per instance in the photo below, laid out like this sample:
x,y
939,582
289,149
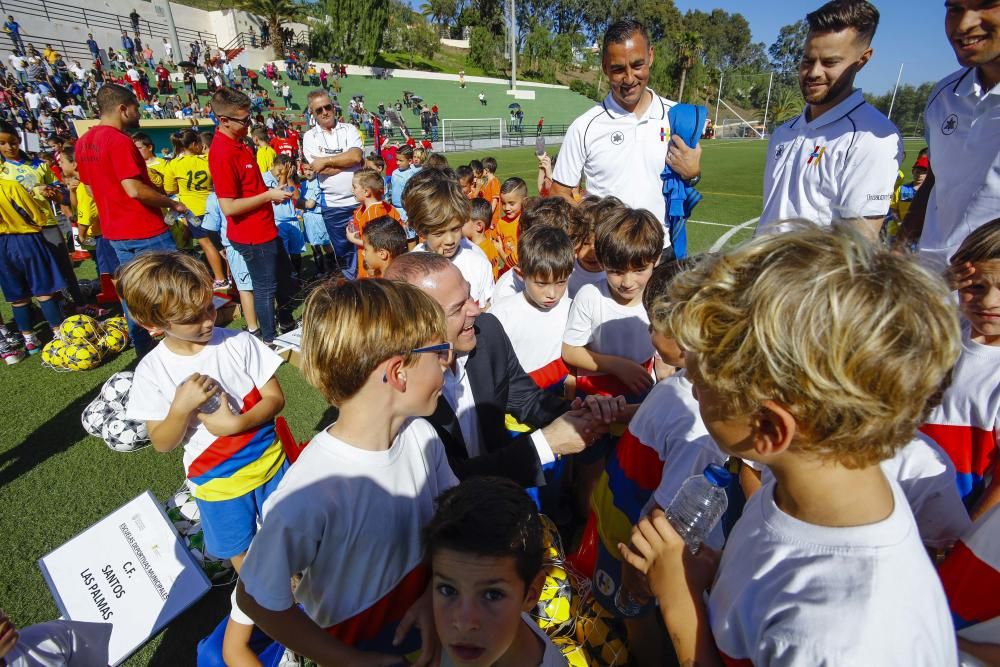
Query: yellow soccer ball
x,y
53,354
601,636
80,328
82,356
114,340
117,322
573,652
554,611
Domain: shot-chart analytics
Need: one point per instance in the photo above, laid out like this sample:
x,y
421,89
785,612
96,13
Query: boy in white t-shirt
x,y
211,391
582,226
348,514
438,209
485,545
825,566
548,212
967,421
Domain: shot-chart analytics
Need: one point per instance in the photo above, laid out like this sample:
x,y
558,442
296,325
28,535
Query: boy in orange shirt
x,y
467,179
491,184
477,230
507,218
368,189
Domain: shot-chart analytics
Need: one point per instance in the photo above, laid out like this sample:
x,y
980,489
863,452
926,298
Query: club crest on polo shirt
x,y
816,156
950,124
617,137
779,152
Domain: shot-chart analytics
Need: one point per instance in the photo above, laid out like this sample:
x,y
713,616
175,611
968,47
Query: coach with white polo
x,y
962,129
621,145
838,159
334,151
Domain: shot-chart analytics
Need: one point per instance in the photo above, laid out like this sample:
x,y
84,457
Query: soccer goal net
x,y
463,134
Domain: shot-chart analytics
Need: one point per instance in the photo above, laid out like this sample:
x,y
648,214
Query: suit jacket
x,y
500,386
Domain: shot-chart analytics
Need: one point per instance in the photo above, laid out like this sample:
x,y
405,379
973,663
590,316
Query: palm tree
x,y
275,13
784,106
441,12
689,46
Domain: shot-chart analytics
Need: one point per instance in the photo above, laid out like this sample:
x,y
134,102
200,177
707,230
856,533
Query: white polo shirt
x,y
619,154
317,143
962,129
840,165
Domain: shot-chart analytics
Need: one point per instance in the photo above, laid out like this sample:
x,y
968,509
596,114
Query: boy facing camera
x,y
821,406
485,546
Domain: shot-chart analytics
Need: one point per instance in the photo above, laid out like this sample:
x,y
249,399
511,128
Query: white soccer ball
x,y
116,389
124,435
94,416
183,512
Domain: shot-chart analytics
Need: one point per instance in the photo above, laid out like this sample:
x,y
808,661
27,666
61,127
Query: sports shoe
x,y
10,350
79,255
32,344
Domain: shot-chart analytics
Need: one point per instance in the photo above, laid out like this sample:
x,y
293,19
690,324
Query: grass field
x,y
55,480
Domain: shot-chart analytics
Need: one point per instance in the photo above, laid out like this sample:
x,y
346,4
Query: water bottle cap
x,y
718,476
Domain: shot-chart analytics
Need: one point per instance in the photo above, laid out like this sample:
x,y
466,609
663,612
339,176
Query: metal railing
x,y
70,50
94,18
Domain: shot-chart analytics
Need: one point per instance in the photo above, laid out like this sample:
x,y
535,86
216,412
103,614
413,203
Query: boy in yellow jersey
x,y
28,267
37,178
265,154
188,177
87,221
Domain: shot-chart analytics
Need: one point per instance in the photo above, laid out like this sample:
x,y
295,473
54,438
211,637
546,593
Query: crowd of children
x,y
855,401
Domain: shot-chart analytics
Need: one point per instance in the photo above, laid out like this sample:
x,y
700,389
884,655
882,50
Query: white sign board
x,y
129,570
289,341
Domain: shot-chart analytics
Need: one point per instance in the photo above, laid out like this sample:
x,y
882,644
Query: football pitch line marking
x,y
722,240
706,222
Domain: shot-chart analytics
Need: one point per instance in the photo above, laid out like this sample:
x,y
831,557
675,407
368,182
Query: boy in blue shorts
x,y
87,221
281,175
28,267
311,203
216,221
209,390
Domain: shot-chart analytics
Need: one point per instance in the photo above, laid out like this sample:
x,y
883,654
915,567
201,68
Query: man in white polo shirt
x,y
621,145
962,128
334,152
838,159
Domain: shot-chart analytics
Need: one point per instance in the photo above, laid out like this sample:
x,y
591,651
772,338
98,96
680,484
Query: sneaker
x,y
256,334
32,344
220,285
9,351
79,255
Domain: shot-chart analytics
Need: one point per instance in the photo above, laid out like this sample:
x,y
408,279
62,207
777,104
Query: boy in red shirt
x,y
368,189
245,201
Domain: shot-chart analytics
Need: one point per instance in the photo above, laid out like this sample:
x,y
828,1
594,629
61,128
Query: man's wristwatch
x,y
694,181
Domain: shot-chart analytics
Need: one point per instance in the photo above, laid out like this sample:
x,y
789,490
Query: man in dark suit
x,y
486,381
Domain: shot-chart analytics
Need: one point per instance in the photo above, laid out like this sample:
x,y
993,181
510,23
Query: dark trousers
x,y
336,220
271,274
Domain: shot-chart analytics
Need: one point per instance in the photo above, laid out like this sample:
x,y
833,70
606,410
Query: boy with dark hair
x,y
583,223
367,186
265,154
477,231
467,180
384,240
490,190
281,176
820,412
246,202
485,545
400,176
538,212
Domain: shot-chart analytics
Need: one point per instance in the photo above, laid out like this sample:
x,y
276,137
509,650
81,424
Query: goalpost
x,y
462,134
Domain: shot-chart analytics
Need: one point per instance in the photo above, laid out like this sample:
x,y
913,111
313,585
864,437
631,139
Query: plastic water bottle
x,y
215,402
699,504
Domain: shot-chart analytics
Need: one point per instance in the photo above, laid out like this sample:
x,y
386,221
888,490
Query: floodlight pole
x,y
767,105
513,47
892,103
719,102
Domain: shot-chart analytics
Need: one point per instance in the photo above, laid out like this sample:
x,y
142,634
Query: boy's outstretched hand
x,y
421,616
672,571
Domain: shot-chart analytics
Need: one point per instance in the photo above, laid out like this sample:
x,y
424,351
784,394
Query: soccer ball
x,y
601,636
53,354
124,435
114,340
554,611
94,416
118,322
117,387
573,652
81,355
220,572
80,328
183,512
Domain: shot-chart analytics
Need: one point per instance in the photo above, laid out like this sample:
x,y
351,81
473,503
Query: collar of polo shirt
x,y
969,85
853,100
656,110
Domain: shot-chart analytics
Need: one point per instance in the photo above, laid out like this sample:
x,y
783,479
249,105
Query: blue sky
x,y
910,32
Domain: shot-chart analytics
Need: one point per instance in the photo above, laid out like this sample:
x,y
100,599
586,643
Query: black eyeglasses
x,y
242,121
323,109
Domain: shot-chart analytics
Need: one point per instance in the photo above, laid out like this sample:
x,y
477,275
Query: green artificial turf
x,y
55,480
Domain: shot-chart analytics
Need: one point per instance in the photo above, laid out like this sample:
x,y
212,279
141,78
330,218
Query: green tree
x,y
689,47
422,40
275,13
351,30
786,52
440,12
786,104
486,50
